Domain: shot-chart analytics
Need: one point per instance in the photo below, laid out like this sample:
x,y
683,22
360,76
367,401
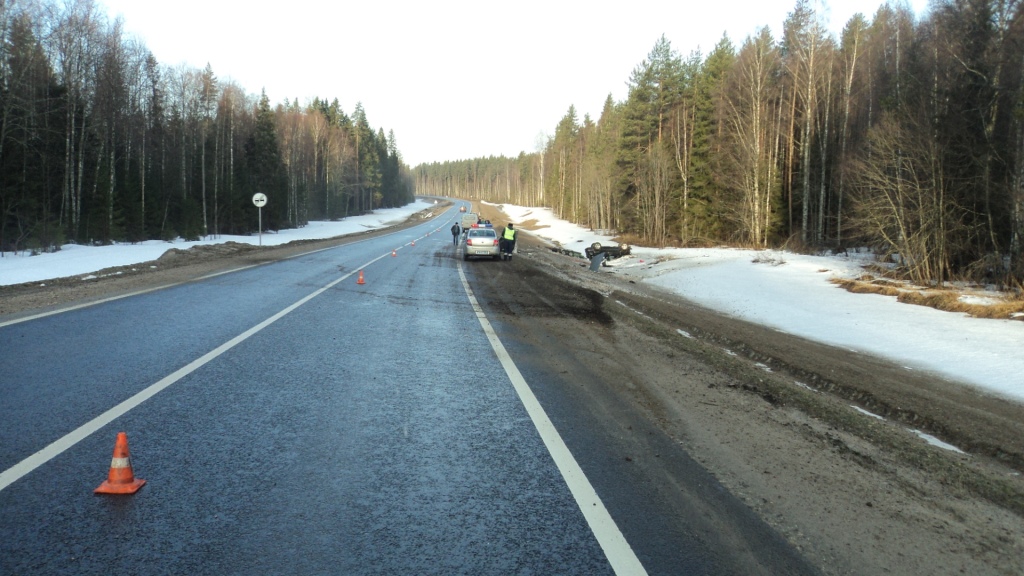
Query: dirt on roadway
x,y
773,417
769,414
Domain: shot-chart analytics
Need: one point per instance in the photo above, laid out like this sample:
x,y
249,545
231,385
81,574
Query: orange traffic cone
x,y
393,253
360,281
413,242
121,479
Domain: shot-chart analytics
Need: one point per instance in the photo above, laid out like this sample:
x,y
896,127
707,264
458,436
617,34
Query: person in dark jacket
x,y
455,233
507,241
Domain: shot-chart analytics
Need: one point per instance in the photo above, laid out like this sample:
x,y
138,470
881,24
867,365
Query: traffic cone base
x,y
120,479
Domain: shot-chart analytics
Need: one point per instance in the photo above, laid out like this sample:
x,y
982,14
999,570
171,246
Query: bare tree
x,y
74,43
851,49
808,45
903,199
653,178
232,104
751,118
207,103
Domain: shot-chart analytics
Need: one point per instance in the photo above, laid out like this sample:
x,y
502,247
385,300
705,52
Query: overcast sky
x,y
453,79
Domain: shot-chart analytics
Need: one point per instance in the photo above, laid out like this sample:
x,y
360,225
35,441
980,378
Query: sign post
x,y
259,199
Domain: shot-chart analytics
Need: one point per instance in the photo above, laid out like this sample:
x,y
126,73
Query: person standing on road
x,y
455,233
508,241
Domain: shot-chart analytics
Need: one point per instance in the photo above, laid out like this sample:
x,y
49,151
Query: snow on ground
x,y
73,259
792,293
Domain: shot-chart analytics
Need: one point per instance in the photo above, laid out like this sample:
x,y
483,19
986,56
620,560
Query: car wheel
x,y
465,257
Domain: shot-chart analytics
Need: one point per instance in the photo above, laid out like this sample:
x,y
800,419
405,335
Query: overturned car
x,y
610,252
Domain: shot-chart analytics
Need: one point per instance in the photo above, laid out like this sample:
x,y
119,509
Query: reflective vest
x,y
509,233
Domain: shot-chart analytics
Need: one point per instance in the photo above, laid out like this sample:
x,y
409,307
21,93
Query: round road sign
x,y
259,199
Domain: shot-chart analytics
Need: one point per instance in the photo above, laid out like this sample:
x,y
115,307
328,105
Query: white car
x,y
481,242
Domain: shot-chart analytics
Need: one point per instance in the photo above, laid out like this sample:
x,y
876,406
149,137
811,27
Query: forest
x,y
903,135
100,143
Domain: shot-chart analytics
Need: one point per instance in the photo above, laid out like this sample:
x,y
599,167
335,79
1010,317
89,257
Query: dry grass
x,y
868,285
946,300
950,302
530,224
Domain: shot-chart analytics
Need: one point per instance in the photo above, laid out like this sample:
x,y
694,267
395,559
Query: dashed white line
x,y
14,473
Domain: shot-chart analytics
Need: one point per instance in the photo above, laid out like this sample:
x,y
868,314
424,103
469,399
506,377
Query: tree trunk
x,y
76,195
844,138
110,188
819,234
216,178
202,174
142,181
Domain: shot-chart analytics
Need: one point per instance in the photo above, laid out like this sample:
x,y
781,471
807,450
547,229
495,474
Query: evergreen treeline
x,y
101,143
904,136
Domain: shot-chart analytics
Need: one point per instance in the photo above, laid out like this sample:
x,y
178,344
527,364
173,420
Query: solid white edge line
x,y
618,551
16,472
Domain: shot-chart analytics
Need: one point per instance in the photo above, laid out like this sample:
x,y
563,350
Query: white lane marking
x,y
14,473
618,551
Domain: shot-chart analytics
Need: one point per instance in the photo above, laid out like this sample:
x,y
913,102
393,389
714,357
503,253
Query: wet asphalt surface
x,y
369,431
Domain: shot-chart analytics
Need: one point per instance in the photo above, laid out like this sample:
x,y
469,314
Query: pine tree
x,y
656,88
704,213
264,169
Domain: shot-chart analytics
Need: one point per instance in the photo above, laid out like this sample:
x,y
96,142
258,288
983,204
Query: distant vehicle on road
x,y
481,242
462,208
468,220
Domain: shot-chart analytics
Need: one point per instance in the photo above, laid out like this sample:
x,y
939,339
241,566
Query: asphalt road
x,y
290,420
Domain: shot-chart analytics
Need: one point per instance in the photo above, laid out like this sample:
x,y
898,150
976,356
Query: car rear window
x,y
482,233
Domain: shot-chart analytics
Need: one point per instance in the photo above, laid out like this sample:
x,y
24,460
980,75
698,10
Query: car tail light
x,y
495,241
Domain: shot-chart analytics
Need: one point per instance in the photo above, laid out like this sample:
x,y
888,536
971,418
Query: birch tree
x,y
806,44
752,110
851,47
74,46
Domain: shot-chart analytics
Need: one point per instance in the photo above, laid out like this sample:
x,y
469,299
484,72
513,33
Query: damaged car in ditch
x,y
610,252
